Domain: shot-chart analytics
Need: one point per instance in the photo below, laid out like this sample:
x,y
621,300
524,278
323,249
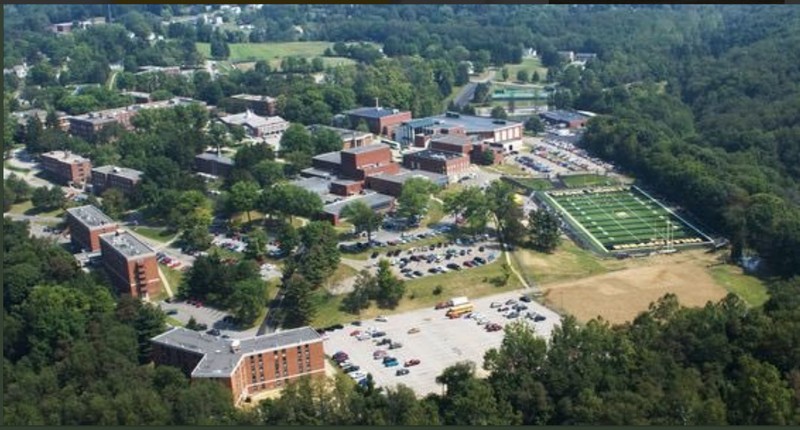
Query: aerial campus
x,y
266,207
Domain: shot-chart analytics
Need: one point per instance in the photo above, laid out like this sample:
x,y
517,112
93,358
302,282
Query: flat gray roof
x,y
119,171
330,157
471,123
65,157
433,154
214,157
316,185
562,115
373,200
314,172
453,139
90,216
366,148
404,175
127,244
221,357
343,133
374,112
253,98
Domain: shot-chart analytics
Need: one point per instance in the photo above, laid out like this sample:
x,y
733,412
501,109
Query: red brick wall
x,y
81,236
123,273
450,147
388,123
383,186
346,190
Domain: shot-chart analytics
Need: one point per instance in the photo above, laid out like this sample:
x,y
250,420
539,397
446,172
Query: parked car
x,y
384,341
378,334
358,375
350,369
520,307
214,332
511,302
391,363
401,372
495,305
512,315
525,299
172,312
412,362
364,336
395,345
381,318
493,327
441,305
417,273
413,330
378,354
453,266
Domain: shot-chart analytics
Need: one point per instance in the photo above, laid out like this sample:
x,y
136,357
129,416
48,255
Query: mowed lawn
x,y
473,283
273,52
529,64
751,289
589,180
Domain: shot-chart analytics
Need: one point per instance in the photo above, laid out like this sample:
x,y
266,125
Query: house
x,y
86,224
131,264
213,164
121,178
350,138
257,126
563,118
569,56
247,366
66,167
20,71
380,121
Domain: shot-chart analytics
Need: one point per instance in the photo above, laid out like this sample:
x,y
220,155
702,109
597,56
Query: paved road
x,y
34,218
465,95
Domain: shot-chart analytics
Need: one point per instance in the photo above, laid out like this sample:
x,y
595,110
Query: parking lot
x,y
212,318
440,342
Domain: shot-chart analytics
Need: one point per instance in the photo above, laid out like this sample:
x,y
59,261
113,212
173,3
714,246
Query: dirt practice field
x,y
618,290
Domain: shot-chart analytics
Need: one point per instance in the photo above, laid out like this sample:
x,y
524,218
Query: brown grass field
x,y
620,290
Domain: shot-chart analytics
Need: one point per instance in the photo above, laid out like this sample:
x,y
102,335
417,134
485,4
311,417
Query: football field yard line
x,y
655,230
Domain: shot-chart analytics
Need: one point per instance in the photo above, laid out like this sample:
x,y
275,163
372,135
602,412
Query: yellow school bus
x,y
457,311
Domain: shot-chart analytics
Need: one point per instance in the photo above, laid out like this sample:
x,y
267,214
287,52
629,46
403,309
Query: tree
x,y
296,139
462,74
248,298
196,238
20,189
298,307
326,140
522,75
544,229
363,218
362,126
507,213
364,287
414,198
243,197
390,289
535,78
534,125
47,199
487,157
114,203
288,238
268,173
499,113
471,205
504,73
256,244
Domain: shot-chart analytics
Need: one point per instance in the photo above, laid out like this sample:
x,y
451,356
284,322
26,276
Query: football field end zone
x,y
669,211
575,225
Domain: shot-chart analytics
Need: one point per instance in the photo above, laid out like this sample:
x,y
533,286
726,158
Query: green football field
x,y
622,218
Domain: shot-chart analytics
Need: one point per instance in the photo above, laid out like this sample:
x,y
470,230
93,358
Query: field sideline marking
x,y
697,230
575,222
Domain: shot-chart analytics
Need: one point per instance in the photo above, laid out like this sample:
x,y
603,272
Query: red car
x,y
355,332
441,305
493,327
412,362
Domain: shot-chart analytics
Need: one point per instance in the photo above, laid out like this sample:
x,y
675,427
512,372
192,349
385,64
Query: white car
x,y
364,336
381,318
358,375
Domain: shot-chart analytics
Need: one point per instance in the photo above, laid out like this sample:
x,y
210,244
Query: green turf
x,y
751,289
274,51
615,220
528,64
157,234
591,180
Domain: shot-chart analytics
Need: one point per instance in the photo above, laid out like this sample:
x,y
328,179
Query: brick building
x,y
130,264
393,184
564,118
350,138
22,117
257,126
357,163
261,105
247,366
86,224
66,167
88,125
450,164
122,178
377,202
213,164
381,121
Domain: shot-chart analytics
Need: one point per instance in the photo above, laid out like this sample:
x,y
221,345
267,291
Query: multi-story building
x,y
357,163
23,117
376,201
350,138
245,367
131,265
506,133
88,125
450,164
381,121
86,224
66,167
261,105
564,118
213,164
122,178
257,126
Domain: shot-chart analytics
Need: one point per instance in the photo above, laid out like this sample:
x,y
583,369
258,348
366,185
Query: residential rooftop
x,y
562,115
119,171
374,112
470,123
253,98
373,200
65,157
214,157
111,114
222,356
127,245
90,216
366,148
252,120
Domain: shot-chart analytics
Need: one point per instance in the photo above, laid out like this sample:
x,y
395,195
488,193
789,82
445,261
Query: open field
x,y
26,208
528,64
749,288
588,180
535,183
273,52
619,219
475,282
155,233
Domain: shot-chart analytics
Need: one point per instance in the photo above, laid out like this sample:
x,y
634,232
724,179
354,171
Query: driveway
x,y
211,317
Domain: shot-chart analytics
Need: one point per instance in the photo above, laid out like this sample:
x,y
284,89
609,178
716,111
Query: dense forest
x,y
699,102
